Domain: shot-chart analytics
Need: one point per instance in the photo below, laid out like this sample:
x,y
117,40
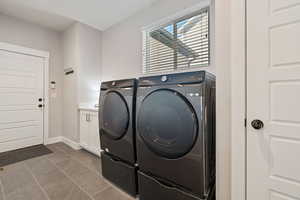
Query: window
x,y
179,45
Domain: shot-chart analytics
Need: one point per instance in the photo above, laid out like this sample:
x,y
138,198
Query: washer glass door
x,y
115,115
167,123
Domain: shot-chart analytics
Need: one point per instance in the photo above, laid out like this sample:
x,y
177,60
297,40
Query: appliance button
x,y
164,78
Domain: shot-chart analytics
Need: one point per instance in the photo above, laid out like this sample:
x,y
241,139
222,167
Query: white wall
x,y
122,43
25,34
89,46
82,52
70,103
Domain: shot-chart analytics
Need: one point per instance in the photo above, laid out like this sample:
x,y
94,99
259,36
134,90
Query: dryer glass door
x,y
115,115
167,123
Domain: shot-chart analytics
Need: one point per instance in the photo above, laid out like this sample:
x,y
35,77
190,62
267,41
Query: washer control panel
x,y
194,94
164,78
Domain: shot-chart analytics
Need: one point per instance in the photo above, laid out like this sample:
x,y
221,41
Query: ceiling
x,y
59,14
42,18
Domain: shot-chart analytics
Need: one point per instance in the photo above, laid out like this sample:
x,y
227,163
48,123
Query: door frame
x,y
45,55
238,60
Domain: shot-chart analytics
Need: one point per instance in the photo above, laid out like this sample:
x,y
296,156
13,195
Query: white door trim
x,y
238,99
45,55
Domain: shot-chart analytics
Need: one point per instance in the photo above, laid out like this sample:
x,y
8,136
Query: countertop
x,y
88,107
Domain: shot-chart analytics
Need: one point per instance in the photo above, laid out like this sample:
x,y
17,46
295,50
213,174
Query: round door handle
x,y
40,105
257,124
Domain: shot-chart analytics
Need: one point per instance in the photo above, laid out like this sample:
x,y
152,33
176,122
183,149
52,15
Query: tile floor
x,y
65,174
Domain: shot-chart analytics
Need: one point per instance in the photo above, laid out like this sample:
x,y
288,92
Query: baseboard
x,y
65,140
71,143
53,140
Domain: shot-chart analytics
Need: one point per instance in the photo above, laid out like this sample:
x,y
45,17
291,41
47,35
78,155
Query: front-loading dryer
x,y
176,136
117,133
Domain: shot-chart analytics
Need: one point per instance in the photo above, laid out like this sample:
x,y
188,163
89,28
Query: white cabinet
x,y
89,131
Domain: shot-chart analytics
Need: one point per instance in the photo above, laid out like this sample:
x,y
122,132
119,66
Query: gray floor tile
x,y
65,148
54,147
90,160
40,165
72,167
28,192
91,182
83,155
57,157
111,194
95,165
1,192
62,190
77,194
15,177
51,178
45,171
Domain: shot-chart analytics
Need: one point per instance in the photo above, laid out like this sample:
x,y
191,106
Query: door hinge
x,y
245,122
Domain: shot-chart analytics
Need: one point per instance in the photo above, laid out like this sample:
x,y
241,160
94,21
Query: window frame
x,y
171,20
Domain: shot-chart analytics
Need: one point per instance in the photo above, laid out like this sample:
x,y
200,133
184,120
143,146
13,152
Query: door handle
x,y
40,105
257,124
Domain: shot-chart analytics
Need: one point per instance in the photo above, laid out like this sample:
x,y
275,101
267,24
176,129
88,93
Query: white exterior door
x,y
21,87
273,82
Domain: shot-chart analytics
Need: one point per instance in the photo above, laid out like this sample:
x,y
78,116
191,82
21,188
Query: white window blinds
x,y
179,45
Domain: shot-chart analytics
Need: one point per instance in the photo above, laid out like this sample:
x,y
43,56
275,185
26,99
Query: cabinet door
x,y
84,129
94,133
